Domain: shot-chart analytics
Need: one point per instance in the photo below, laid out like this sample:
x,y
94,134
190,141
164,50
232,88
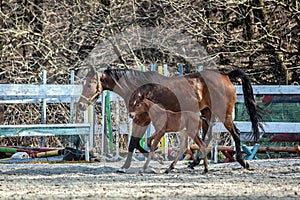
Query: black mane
x,y
128,80
134,76
121,72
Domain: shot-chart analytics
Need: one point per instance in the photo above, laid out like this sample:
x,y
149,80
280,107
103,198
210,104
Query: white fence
x,y
24,93
270,127
46,93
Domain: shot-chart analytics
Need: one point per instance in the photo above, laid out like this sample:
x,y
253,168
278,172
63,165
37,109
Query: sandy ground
x,y
268,179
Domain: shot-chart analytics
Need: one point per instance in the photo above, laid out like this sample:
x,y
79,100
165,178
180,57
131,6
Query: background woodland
x,y
261,37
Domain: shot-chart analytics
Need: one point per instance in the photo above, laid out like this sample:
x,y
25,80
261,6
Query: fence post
x,y
103,149
72,81
119,129
44,106
91,121
180,70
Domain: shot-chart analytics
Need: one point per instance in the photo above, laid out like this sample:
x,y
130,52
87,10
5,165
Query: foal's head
x,y
92,88
140,105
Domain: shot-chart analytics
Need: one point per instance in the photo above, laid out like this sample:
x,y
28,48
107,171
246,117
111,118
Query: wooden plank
x,y
27,91
44,130
262,149
270,127
271,89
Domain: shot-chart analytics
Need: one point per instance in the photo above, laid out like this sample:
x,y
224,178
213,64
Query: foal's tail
x,y
253,109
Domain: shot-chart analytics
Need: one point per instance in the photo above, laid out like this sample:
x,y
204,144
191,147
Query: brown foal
x,y
186,122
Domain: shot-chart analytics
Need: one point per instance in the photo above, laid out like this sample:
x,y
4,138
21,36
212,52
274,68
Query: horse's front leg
x,y
137,134
157,137
182,149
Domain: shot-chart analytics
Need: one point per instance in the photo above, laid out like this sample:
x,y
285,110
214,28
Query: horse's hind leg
x,y
235,132
206,131
206,136
202,148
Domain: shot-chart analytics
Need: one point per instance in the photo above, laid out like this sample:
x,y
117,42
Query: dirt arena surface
x,y
268,179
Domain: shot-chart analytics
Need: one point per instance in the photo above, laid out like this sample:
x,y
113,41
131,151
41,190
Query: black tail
x,y
253,109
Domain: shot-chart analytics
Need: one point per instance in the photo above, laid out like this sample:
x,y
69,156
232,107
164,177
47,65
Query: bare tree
x,y
258,36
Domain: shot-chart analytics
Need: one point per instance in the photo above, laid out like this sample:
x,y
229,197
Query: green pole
x,y
109,125
142,141
8,150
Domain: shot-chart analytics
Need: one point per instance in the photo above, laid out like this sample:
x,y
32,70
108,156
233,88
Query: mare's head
x,y
92,88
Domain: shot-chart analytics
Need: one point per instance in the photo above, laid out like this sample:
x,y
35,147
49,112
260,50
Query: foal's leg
x,y
182,149
202,147
157,138
150,139
137,134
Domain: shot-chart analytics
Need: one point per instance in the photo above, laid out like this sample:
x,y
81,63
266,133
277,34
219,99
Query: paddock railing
x,y
26,93
269,127
48,93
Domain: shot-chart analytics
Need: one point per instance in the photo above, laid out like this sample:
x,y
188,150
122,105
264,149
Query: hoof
x,y
191,166
121,170
247,165
149,170
125,166
167,171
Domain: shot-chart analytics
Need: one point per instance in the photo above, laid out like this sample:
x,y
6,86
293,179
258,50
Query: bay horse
x,y
209,92
169,121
